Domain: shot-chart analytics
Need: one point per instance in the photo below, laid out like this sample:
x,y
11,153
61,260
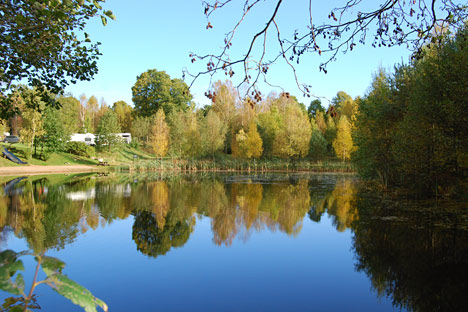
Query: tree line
x,y
166,121
411,128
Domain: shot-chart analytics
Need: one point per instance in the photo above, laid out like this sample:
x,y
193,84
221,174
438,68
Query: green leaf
x,y
104,20
109,14
97,5
74,292
52,264
9,265
19,281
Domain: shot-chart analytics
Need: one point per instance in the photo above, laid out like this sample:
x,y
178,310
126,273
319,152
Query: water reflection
x,y
51,213
417,255
414,253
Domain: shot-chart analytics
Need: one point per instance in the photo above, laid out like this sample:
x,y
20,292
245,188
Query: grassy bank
x,y
123,156
56,159
139,160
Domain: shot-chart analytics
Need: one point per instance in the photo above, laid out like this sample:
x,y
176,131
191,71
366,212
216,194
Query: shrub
x,y
45,155
80,149
134,143
27,154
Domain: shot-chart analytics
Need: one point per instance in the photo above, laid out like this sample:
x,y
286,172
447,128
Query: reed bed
x,y
237,165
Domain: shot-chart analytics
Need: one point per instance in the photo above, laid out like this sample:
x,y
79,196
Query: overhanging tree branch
x,y
412,23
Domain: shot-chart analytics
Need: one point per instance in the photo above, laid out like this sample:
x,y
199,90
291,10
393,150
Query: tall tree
x,y
248,144
374,130
269,124
344,105
320,121
92,108
69,114
30,104
85,125
124,114
213,133
318,144
186,140
107,132
155,90
103,109
141,128
44,43
254,142
224,101
55,135
292,140
330,133
314,107
343,143
192,144
159,137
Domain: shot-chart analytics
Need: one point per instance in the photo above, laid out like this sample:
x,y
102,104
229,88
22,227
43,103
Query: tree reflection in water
x,y
414,253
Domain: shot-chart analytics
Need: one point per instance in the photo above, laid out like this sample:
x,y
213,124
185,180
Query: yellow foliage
x,y
160,134
248,145
343,143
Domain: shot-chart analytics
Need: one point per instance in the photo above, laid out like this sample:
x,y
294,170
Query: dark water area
x,y
279,242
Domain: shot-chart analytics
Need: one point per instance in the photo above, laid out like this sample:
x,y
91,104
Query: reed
x,y
231,164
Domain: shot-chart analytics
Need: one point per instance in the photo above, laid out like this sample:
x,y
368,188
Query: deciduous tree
x,y
318,144
43,42
107,132
343,143
213,133
159,137
155,90
124,115
55,135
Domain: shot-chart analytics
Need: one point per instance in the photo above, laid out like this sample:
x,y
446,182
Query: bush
x,y
80,149
45,155
134,143
27,154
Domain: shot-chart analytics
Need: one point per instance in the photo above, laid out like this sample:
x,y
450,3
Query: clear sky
x,y
157,34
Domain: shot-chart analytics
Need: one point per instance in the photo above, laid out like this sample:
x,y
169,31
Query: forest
x,y
168,123
408,130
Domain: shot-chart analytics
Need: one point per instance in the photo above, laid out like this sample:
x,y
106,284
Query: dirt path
x,y
35,169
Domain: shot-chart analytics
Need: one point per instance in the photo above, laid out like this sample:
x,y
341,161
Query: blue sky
x,y
160,35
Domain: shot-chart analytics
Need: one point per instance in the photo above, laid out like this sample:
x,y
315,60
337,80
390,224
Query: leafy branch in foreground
x,y
384,23
10,265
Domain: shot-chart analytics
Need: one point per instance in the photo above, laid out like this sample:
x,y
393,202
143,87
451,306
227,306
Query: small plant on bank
x,y
80,149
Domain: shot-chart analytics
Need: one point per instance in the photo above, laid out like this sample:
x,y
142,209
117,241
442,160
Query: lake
x,y
232,242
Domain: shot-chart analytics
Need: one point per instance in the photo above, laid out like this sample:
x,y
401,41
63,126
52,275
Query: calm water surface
x,y
237,243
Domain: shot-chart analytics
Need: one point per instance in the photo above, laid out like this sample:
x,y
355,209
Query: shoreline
x,y
58,169
36,169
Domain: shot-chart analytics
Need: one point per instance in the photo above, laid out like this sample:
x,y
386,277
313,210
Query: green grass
x,y
124,156
56,159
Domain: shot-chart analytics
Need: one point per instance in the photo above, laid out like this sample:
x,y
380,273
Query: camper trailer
x,y
126,137
87,138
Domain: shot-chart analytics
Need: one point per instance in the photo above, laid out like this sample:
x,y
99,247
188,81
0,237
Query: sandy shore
x,y
34,169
